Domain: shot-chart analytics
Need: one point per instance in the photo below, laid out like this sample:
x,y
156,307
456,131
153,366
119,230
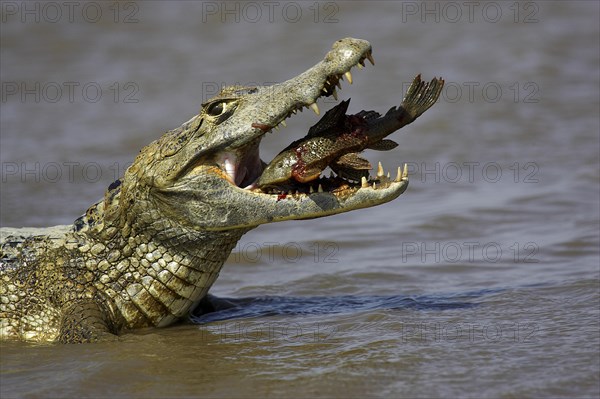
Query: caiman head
x,y
203,173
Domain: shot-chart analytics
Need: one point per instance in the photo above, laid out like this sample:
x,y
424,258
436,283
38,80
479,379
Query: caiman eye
x,y
216,109
219,110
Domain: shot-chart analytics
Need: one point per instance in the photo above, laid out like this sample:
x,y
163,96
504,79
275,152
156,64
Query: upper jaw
x,y
287,98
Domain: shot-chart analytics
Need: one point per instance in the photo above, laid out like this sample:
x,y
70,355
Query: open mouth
x,y
243,167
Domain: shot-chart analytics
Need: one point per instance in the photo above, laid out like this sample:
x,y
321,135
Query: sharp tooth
x,y
380,172
370,58
348,76
388,175
311,190
277,127
335,94
324,90
374,186
399,176
405,172
230,168
363,182
315,108
338,84
295,111
283,123
359,65
320,189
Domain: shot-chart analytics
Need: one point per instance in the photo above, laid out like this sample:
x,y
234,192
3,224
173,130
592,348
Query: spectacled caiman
x,y
148,252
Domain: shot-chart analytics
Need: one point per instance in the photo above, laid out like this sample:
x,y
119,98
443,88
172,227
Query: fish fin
x,y
349,173
352,160
308,174
351,166
391,110
419,97
383,145
332,118
368,115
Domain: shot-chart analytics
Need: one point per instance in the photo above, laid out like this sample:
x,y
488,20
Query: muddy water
x,y
482,280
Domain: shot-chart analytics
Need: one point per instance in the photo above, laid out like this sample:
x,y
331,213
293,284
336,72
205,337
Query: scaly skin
x,y
149,251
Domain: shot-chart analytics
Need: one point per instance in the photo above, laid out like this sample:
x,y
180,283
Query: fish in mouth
x,y
336,140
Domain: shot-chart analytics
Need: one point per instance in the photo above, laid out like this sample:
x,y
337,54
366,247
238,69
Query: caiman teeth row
x,y
402,174
330,84
364,183
334,81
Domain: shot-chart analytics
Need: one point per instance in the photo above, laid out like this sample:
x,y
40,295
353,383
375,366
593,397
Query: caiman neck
x,y
152,266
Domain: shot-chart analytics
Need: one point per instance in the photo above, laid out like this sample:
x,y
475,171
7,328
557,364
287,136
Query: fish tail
x,y
421,96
